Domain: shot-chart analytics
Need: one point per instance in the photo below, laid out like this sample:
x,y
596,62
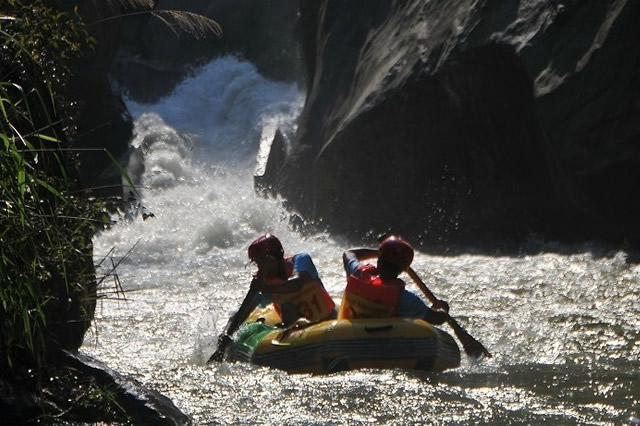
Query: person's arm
x,y
224,339
435,317
411,305
351,258
247,306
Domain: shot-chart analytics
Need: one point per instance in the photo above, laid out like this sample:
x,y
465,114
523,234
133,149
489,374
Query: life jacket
x,y
369,296
311,302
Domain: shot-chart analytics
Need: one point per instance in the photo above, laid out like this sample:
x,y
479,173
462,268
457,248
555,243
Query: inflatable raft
x,y
340,345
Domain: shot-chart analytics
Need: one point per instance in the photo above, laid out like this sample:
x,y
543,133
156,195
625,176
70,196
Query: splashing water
x,y
564,329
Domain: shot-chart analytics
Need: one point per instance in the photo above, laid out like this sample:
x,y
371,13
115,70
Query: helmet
x,y
266,244
396,251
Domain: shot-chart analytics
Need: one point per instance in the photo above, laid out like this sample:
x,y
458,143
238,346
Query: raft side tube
x,y
338,345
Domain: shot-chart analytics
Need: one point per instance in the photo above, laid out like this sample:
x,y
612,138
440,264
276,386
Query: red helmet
x,y
396,251
266,244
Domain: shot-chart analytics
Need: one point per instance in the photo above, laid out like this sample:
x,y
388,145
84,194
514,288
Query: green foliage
x,y
37,44
46,265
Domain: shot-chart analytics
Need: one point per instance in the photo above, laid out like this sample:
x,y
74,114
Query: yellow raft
x,y
340,345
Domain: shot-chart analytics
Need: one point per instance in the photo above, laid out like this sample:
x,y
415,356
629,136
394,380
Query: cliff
x,y
468,123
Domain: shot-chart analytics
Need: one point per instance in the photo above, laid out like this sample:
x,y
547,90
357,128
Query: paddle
x,y
223,341
471,346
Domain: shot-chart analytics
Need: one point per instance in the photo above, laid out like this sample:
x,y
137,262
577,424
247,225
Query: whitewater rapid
x,y
563,328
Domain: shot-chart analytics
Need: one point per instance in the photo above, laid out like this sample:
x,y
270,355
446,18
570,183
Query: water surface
x,y
563,328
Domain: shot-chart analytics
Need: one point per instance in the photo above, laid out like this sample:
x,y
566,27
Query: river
x,y
563,325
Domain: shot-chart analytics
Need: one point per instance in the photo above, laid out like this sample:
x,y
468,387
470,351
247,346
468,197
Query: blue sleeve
x,y
352,267
302,263
411,305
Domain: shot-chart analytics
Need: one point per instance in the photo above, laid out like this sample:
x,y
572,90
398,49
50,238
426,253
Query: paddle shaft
x,y
471,346
425,290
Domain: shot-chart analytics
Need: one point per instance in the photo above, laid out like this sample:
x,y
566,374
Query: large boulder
x,y
468,124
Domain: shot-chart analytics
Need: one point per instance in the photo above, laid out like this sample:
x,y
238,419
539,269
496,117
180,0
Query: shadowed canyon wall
x,y
154,57
470,123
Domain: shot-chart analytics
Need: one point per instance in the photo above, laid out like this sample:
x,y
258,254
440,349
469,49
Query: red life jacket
x,y
369,296
311,302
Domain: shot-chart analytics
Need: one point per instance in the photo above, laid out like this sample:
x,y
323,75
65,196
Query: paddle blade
x,y
471,346
218,355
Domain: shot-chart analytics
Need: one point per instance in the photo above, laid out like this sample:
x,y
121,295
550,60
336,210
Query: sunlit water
x,y
563,329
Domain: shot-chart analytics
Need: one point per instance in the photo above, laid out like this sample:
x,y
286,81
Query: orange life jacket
x,y
311,302
369,296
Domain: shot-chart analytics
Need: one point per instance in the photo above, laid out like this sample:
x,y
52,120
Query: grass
x,y
46,264
48,283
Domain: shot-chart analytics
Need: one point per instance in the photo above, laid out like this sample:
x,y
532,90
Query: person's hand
x,y
440,305
223,342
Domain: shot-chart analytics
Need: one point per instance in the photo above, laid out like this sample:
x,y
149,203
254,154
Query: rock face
x,y
103,122
74,388
469,122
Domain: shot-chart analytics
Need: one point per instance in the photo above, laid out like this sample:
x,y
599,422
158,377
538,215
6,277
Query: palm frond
x,y
193,23
196,25
125,4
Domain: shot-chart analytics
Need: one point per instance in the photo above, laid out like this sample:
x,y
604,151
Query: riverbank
x,y
75,388
48,217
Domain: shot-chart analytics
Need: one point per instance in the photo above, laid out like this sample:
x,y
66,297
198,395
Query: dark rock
x,y
154,57
468,125
102,120
18,404
142,405
103,125
73,388
267,169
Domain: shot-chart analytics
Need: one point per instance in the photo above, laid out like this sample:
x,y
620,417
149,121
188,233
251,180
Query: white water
x,y
564,329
